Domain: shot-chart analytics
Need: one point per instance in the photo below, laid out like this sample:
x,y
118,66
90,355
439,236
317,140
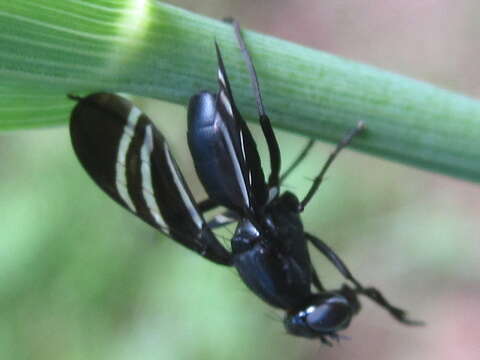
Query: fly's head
x,y
324,316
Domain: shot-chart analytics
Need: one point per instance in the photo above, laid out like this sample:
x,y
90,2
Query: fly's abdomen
x,y
214,152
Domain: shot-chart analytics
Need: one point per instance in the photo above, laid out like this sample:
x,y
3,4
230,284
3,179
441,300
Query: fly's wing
x,y
130,160
239,132
223,149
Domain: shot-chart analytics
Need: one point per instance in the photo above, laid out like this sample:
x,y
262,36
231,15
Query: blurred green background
x,y
80,278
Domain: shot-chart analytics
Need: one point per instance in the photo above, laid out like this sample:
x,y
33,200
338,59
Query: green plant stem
x,y
49,48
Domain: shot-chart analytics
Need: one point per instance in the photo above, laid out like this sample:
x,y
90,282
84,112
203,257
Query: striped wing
x,y
130,160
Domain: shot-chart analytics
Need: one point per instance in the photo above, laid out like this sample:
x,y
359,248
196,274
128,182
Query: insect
x,y
130,160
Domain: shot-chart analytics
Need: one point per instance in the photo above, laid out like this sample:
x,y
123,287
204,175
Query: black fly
x,y
130,160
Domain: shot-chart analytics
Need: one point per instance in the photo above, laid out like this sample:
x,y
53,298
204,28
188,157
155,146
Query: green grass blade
x,y
52,47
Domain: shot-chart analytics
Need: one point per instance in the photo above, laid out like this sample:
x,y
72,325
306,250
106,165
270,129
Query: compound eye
x,y
332,315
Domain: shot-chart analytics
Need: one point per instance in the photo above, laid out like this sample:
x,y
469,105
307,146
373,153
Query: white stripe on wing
x,y
197,219
147,188
120,168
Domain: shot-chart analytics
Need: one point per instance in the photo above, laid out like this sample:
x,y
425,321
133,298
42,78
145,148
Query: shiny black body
x,y
130,160
275,264
216,146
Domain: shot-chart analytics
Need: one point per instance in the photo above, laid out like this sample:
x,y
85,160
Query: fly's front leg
x,y
399,314
333,258
370,292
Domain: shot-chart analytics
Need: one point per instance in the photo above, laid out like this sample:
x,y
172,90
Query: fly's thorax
x,y
281,279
